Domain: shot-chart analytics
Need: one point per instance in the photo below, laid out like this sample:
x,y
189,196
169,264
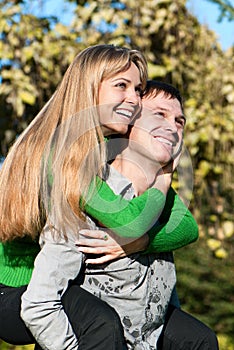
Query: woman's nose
x,y
133,96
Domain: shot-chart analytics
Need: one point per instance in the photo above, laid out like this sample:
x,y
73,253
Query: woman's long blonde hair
x,y
64,142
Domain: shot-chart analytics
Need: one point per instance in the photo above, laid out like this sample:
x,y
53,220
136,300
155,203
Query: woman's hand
x,y
171,167
108,245
164,176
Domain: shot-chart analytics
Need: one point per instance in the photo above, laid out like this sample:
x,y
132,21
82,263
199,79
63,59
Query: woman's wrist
x,y
137,245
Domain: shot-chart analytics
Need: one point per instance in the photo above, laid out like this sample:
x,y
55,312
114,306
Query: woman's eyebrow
x,y
119,78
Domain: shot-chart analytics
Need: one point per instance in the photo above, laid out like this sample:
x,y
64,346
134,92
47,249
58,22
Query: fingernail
x,y
82,232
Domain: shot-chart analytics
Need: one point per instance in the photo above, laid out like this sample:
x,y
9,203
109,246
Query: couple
x,y
139,284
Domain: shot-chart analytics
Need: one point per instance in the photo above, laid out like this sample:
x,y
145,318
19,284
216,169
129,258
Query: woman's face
x,y
119,101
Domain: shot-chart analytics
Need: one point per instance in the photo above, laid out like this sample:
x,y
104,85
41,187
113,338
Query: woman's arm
x,y
175,229
42,311
126,218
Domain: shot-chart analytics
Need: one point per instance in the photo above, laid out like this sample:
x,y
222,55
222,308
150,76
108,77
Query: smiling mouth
x,y
124,113
163,140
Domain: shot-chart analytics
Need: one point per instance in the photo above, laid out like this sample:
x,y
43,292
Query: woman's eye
x,y
121,85
138,90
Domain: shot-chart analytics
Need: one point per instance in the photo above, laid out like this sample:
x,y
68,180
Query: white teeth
x,y
124,112
161,139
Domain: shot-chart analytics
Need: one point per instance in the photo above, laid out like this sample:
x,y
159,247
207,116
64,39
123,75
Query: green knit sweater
x,y
16,261
175,229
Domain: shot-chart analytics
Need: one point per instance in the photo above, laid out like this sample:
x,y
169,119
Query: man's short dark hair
x,y
154,87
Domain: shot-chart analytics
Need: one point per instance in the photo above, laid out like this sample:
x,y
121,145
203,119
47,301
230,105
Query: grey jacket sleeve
x,y
42,311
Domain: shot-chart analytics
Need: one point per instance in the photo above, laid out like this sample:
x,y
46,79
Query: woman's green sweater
x,y
16,261
175,229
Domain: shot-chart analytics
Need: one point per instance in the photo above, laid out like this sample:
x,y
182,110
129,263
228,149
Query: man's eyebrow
x,y
168,110
161,109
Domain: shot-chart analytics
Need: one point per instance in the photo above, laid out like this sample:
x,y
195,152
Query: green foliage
x,y
205,286
35,52
225,342
226,9
5,346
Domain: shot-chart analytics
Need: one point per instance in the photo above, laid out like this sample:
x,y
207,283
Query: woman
x,y
23,180
23,210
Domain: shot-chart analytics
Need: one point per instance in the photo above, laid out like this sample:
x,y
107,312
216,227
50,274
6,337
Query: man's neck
x,y
139,170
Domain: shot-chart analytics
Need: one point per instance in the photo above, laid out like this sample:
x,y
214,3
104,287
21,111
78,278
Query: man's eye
x,y
159,114
181,122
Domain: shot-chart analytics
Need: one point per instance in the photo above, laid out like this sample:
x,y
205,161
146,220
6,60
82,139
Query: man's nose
x,y
172,128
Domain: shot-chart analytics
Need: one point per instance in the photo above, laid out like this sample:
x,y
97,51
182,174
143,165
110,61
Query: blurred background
x,y
187,43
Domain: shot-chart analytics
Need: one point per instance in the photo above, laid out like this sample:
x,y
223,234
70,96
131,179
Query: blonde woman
x,y
48,173
23,211
26,199
65,141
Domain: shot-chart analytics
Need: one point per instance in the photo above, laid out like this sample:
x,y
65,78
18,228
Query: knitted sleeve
x,y
126,218
176,227
17,261
130,219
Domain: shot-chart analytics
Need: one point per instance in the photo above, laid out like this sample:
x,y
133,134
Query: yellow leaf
x,y
156,71
228,228
26,97
213,244
204,168
221,253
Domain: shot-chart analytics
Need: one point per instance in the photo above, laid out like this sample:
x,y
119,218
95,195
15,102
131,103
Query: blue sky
x,y
208,13
205,11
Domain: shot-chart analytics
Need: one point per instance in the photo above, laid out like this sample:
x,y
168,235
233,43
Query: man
x,y
141,287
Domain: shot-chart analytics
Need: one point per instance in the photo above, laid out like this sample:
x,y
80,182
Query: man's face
x,y
158,133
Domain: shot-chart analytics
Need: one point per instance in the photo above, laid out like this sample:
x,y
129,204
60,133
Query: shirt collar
x,y
119,183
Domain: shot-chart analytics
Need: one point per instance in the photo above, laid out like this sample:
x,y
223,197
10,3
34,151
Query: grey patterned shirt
x,y
139,286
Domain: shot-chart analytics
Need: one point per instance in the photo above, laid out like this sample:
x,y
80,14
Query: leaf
x,y
213,244
156,71
27,97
